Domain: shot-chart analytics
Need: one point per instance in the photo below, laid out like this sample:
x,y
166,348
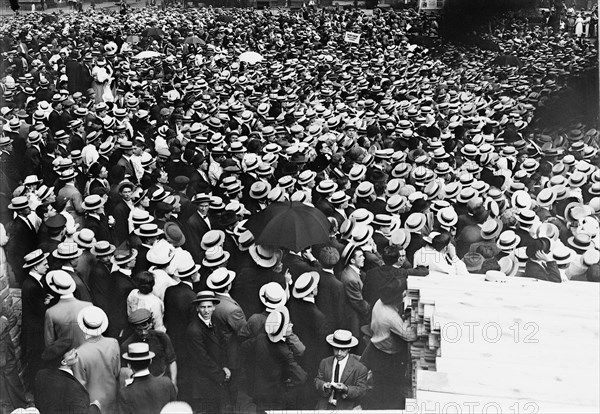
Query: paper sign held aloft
x,y
352,37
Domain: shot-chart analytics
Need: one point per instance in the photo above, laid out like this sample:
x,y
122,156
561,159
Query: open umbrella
x,y
194,40
251,57
147,54
225,18
291,225
154,32
507,60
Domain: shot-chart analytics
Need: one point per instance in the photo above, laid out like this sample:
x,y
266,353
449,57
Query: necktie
x,y
28,223
336,375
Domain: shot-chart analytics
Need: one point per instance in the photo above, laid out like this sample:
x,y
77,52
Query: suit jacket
x,y
358,311
277,368
82,290
61,321
123,285
98,370
247,284
194,229
378,206
207,358
230,319
297,265
178,314
100,228
197,184
57,391
146,394
310,324
121,215
536,271
128,166
22,240
331,300
354,377
32,332
102,288
141,263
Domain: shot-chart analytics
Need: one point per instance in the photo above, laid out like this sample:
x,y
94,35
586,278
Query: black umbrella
x,y
507,60
154,32
292,225
225,18
194,40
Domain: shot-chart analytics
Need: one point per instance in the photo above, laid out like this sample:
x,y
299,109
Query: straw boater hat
x,y
491,229
276,324
34,258
161,253
206,296
148,230
60,282
263,256
305,284
215,256
85,238
19,203
212,238
342,339
138,351
272,295
415,222
508,240
102,248
92,320
220,278
67,251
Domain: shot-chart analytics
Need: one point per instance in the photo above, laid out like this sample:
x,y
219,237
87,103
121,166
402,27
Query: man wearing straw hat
x,y
208,355
99,360
341,381
60,320
22,237
145,393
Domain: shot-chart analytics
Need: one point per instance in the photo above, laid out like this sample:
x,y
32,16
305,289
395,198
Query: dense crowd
x,y
137,148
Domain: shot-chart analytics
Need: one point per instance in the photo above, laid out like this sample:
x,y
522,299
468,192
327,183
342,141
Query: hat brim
x,y
92,332
259,260
150,355
331,341
206,299
227,282
39,260
102,254
133,256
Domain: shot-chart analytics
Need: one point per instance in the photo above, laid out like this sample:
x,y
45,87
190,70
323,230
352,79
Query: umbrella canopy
x,y
224,18
251,57
147,54
154,32
291,225
194,40
507,60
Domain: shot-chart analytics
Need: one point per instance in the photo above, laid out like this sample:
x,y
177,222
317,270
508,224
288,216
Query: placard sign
x,y
352,37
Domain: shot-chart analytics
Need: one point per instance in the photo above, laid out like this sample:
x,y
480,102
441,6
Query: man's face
x,y
205,309
340,353
143,329
203,208
401,257
359,259
138,150
42,268
126,193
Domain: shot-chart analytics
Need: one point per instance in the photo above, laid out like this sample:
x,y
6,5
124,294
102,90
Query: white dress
x,y
579,26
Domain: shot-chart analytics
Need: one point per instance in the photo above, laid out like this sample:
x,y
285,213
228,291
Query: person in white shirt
x,y
440,256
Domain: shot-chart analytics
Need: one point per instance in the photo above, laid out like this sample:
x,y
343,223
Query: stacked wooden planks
x,y
521,346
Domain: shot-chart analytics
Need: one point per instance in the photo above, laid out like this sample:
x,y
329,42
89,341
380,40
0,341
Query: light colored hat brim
x,y
330,341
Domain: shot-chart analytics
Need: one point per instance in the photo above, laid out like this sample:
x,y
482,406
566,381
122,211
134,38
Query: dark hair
x,y
144,281
441,240
137,366
390,255
41,210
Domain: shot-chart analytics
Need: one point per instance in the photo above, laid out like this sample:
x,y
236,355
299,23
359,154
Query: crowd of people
x,y
137,147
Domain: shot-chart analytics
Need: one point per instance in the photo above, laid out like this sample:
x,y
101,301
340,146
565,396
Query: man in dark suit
x,y
56,389
148,234
196,226
310,324
178,314
95,218
123,285
145,393
331,299
358,310
208,356
540,265
22,237
121,212
34,299
342,380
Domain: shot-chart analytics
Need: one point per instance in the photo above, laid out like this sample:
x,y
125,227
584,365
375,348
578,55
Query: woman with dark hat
x,y
387,353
